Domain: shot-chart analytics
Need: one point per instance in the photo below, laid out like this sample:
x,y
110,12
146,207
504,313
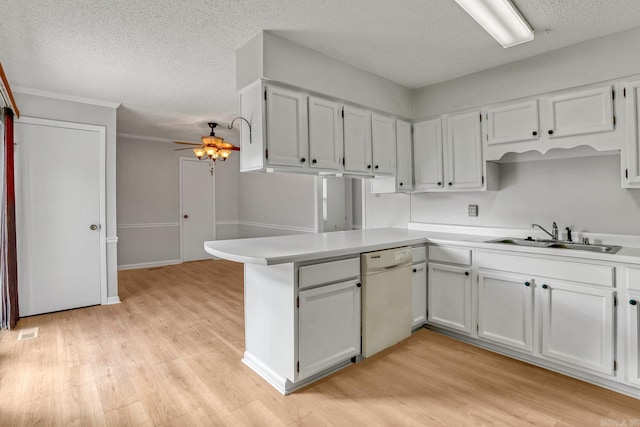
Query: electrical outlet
x,y
473,210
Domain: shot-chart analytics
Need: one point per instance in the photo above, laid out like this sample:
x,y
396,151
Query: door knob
x,y
185,216
93,227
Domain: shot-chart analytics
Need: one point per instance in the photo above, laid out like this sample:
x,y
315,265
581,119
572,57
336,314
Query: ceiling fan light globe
x,y
199,152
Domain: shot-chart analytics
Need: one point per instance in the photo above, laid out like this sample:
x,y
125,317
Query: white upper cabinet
x,y
325,134
383,143
578,113
463,151
404,156
427,155
287,137
630,154
357,141
566,119
511,123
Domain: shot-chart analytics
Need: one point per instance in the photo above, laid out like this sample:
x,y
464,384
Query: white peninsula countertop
x,y
307,247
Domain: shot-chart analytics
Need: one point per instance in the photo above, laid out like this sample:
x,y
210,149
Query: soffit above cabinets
x,y
172,66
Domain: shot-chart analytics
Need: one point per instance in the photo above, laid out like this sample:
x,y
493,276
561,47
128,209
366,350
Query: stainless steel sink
x,y
556,244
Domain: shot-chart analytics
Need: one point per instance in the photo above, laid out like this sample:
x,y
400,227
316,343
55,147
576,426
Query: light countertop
x,y
307,247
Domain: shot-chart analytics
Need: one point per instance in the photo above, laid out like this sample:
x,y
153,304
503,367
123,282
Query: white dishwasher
x,y
387,309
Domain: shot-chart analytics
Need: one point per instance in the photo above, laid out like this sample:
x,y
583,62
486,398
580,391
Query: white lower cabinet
x,y
449,299
577,325
505,310
419,294
328,326
633,334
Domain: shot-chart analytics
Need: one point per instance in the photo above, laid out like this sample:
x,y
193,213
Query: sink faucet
x,y
554,234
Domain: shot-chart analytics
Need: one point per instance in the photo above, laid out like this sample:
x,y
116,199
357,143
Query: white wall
x,y
271,57
583,193
384,210
600,59
272,204
47,107
148,192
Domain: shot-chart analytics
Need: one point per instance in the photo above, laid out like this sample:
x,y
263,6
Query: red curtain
x,y
11,261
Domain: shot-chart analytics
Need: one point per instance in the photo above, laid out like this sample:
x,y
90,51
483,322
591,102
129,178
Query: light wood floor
x,y
170,355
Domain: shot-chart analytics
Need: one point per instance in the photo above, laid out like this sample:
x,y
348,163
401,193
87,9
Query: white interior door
x,y
60,215
197,213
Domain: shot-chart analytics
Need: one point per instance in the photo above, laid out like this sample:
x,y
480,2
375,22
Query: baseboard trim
x,y
113,300
149,264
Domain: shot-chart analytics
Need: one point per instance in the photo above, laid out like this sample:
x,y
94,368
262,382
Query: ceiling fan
x,y
213,147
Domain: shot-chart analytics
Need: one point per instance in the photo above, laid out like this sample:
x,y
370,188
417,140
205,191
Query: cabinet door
x,y
632,173
427,155
419,294
383,143
577,325
404,166
579,113
325,134
633,331
328,326
449,297
505,309
463,150
287,139
512,123
357,140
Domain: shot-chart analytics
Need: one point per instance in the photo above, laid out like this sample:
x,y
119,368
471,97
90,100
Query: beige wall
x,y
148,191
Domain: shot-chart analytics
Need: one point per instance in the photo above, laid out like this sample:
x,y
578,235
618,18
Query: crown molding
x,y
143,137
65,97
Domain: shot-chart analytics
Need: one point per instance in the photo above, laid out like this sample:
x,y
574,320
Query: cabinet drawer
x,y
563,270
419,254
328,272
634,279
450,255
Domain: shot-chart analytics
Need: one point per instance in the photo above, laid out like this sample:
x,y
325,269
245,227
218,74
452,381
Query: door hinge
x,y
298,302
343,161
614,120
265,94
482,179
343,113
477,328
480,117
615,301
298,366
624,92
626,173
266,154
613,94
615,366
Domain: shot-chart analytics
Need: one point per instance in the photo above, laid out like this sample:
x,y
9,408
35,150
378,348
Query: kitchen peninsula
x,y
568,310
302,299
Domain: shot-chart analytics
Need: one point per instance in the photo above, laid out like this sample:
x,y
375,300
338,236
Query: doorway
x,y
335,204
197,208
60,215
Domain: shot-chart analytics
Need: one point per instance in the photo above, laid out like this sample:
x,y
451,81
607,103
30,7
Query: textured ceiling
x,y
171,63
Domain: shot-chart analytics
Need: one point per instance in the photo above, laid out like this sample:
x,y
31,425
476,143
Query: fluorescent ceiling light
x,y
499,18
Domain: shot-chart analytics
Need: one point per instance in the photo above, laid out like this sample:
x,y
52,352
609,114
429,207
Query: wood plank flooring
x,y
170,353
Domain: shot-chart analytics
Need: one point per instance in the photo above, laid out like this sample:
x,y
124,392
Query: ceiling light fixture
x,y
501,19
213,147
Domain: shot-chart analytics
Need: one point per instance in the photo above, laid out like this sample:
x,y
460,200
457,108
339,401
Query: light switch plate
x,y
473,210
